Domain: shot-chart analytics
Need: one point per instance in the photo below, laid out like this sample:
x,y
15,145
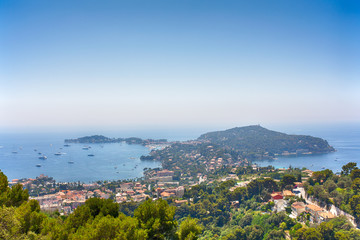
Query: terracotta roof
x,y
314,207
326,215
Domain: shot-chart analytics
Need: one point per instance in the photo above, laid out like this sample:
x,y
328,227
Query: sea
x,y
20,152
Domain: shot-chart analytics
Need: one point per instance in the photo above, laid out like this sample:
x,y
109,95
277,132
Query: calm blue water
x,y
111,161
118,161
344,138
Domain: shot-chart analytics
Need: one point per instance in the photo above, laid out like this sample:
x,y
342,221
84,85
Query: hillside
x,y
261,142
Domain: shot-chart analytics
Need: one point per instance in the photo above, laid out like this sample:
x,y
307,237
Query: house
x,y
314,212
325,216
297,208
276,196
165,173
280,205
180,202
288,193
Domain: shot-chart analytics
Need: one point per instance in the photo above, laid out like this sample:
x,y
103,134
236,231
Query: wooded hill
x,y
259,141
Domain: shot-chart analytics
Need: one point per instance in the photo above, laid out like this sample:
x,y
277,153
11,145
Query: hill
x,y
261,142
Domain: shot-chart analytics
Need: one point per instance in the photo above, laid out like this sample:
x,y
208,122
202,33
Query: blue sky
x,y
178,63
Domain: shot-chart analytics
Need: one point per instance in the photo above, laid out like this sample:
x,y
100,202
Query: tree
x,y
246,220
327,230
288,180
189,229
308,234
275,234
16,196
330,185
355,206
254,232
356,185
9,225
79,218
30,217
355,173
4,185
102,206
157,218
109,227
347,168
322,176
238,234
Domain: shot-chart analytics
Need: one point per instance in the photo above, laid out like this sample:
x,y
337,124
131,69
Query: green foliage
x,y
322,176
157,218
189,229
111,228
13,196
308,234
355,173
347,168
275,234
356,185
10,227
237,234
288,180
255,141
355,206
102,206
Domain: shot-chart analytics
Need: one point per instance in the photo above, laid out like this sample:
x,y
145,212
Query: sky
x,y
161,63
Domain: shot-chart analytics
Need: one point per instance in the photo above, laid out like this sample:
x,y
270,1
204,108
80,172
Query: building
x,y
288,193
325,216
297,208
165,173
276,196
314,212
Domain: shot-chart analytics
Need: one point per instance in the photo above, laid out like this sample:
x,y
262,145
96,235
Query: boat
x,y
70,162
35,150
115,167
14,152
43,157
91,155
132,158
85,148
66,145
58,153
38,165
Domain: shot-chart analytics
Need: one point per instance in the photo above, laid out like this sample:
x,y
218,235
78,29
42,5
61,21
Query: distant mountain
x,y
260,142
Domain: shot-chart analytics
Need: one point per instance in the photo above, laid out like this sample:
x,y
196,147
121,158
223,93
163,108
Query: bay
x,y
118,161
345,138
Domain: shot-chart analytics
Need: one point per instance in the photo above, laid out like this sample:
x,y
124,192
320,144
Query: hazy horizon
x,y
158,64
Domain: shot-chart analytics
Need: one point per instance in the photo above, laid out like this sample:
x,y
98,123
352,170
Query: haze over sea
x,y
121,161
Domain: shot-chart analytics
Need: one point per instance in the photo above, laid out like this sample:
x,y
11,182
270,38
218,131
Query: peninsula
x,y
235,147
103,139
